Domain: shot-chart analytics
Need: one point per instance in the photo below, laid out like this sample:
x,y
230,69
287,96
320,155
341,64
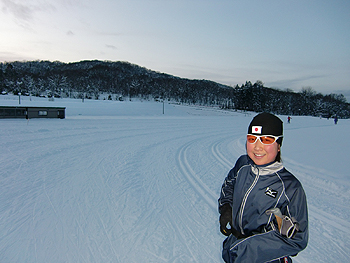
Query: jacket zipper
x,y
245,200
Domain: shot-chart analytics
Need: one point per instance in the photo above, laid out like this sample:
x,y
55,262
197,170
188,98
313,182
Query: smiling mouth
x,y
258,155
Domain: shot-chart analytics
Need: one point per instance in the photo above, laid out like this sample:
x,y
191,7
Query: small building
x,y
32,112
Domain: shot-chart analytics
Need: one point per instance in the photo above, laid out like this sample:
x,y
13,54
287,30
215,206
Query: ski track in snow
x,y
328,215
143,189
197,184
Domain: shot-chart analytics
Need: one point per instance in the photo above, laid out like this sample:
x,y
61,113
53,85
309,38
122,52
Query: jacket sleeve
x,y
226,194
271,245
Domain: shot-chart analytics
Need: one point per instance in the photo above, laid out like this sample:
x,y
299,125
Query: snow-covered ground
x,y
123,182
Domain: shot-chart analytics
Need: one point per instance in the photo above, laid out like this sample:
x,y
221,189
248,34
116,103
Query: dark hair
x,y
278,157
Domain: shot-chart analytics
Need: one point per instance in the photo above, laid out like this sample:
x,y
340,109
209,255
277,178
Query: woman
x,y
263,203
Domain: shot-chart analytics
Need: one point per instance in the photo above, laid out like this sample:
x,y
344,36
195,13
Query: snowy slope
x,y
122,182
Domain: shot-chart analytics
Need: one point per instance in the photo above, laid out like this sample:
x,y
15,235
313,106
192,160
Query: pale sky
x,y
285,44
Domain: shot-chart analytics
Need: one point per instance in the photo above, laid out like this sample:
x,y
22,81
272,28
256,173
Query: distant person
x,y
263,203
335,119
289,118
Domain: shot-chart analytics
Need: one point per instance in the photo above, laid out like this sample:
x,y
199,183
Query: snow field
x,y
122,182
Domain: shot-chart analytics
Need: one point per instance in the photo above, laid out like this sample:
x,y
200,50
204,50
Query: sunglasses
x,y
264,139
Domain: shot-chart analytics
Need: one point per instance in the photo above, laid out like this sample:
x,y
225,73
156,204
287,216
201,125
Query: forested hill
x,y
89,79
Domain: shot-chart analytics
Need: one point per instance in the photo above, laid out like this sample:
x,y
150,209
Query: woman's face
x,y
262,153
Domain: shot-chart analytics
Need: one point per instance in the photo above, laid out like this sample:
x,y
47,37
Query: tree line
x,y
89,79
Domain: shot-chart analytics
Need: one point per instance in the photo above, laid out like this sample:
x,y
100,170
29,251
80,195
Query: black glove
x,y
225,218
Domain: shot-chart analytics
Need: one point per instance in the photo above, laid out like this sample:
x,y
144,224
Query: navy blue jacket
x,y
251,190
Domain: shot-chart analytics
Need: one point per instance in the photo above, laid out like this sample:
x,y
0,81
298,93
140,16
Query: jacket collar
x,y
265,169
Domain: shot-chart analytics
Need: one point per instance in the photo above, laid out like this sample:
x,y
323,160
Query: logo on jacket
x,y
271,192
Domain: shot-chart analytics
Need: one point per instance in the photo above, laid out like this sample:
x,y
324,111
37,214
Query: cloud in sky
x,y
111,47
19,10
284,44
288,83
24,10
11,56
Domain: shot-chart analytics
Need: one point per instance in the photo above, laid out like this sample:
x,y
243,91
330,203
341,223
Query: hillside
x,y
123,80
